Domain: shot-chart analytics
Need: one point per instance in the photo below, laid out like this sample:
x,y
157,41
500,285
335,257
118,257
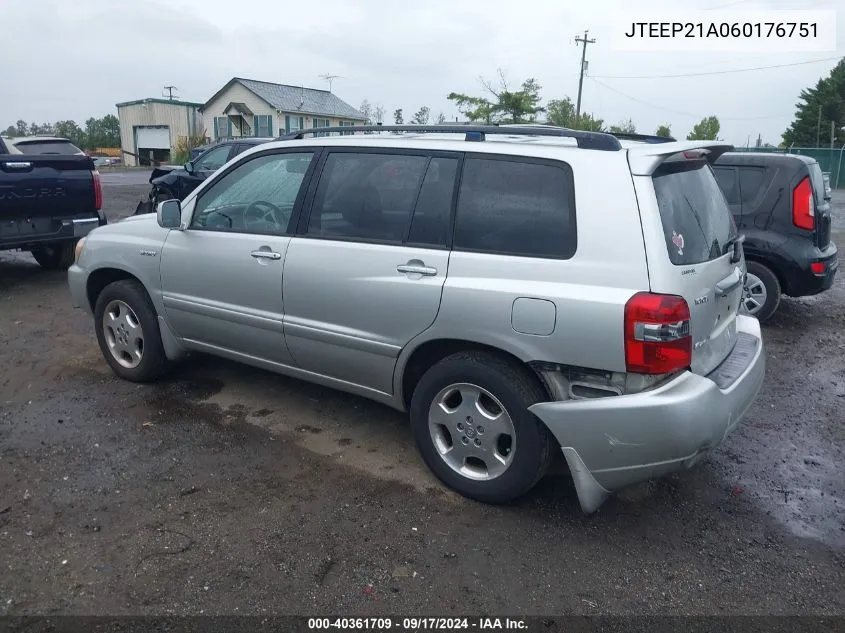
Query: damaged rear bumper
x,y
616,441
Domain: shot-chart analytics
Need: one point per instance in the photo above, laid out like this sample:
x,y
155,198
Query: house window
x,y
293,123
222,127
263,125
347,124
320,123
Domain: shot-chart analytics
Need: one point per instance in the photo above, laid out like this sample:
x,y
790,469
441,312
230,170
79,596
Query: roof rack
x,y
645,138
585,140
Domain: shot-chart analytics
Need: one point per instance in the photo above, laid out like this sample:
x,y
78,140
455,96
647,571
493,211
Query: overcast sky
x,y
71,59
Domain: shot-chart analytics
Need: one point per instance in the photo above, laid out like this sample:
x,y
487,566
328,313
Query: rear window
x,y
697,222
47,147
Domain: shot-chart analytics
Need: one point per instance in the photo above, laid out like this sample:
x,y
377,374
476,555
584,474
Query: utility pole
x,y
819,129
832,133
583,41
170,90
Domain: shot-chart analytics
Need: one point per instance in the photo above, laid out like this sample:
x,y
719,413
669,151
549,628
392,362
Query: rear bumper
x,y
617,441
801,281
24,233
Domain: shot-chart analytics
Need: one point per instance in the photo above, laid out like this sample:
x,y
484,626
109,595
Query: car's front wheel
x,y
470,418
128,332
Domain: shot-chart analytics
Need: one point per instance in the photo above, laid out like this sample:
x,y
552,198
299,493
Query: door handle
x,y
417,269
726,286
266,255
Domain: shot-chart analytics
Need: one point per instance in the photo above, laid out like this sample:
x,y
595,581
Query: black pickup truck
x,y
47,202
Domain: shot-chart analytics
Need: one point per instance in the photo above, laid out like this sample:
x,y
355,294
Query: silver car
x,y
520,292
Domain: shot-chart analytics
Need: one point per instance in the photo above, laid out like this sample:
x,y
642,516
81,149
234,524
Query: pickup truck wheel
x,y
469,415
761,294
57,256
128,332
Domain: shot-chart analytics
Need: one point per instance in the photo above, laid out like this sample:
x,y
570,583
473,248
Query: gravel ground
x,y
228,490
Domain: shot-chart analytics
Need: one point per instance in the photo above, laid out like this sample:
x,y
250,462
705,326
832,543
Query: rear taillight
x,y
817,268
803,208
657,334
98,191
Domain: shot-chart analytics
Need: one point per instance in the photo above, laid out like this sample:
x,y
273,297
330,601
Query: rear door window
x,y
697,222
728,182
516,207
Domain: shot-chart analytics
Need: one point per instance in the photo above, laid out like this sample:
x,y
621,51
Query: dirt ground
x,y
228,490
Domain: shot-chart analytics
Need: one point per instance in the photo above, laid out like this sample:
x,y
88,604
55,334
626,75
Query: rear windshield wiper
x,y
734,243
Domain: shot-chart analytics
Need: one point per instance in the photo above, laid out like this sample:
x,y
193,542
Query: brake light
x,y
817,268
803,208
98,191
657,334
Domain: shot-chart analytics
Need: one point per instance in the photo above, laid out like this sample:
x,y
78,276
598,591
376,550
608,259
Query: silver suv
x,y
518,290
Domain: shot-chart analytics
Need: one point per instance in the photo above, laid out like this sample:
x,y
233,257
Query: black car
x,y
178,181
780,204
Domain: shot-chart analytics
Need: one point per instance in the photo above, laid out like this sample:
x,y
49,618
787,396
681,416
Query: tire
x,y
761,294
515,389
56,256
133,318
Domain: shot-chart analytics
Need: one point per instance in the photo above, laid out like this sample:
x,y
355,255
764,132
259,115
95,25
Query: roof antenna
x,y
330,78
302,98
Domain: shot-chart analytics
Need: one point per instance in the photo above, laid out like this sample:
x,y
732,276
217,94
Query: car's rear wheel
x,y
58,256
470,418
761,294
128,332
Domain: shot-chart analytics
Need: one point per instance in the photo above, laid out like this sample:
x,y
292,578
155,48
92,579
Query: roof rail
x,y
585,140
645,138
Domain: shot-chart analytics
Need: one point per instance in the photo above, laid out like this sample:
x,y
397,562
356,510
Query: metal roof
x,y
176,102
296,99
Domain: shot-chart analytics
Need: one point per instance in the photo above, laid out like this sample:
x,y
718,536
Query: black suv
x,y
174,181
780,204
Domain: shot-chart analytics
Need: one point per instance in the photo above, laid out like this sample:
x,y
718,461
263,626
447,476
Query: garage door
x,y
153,137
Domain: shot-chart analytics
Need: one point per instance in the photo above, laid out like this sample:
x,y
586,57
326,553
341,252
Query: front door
x,y
222,277
366,273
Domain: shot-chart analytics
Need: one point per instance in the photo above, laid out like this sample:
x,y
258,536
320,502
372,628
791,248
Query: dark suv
x,y
780,204
174,181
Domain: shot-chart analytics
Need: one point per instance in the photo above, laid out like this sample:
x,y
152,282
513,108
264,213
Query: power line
x,y
717,72
688,114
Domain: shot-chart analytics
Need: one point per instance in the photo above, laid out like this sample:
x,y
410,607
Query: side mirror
x,y
189,167
169,214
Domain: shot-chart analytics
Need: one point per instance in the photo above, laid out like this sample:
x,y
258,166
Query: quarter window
x,y
516,208
750,182
258,196
728,183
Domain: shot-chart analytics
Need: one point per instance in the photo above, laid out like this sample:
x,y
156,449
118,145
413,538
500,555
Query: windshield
x,y
697,223
48,147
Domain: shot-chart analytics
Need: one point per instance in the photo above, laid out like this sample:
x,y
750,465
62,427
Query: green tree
x,y
663,130
21,128
705,130
45,129
422,116
397,116
624,127
110,130
11,131
507,105
561,112
71,131
827,99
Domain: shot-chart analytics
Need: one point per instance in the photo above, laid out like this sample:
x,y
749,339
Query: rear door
x,y
690,241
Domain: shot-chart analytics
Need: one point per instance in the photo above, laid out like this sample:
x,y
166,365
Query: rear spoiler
x,y
645,159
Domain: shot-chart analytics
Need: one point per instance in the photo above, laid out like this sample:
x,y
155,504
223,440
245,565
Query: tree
x,y
441,119
507,106
397,116
71,131
705,130
110,128
378,113
366,111
827,99
11,131
21,128
561,112
624,127
422,116
663,130
45,129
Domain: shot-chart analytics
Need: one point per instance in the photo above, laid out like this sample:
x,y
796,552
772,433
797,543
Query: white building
x,y
150,128
246,107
